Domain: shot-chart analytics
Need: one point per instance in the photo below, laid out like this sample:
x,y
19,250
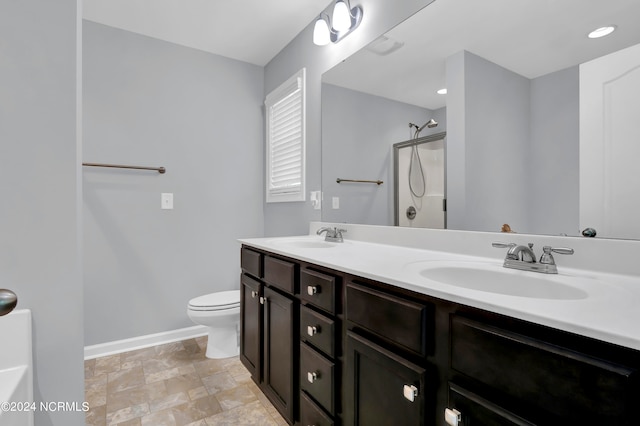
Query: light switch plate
x,y
335,202
166,201
316,199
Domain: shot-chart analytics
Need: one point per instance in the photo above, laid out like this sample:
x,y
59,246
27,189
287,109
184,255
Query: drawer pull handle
x,y
452,416
311,290
312,331
410,392
254,294
312,377
263,300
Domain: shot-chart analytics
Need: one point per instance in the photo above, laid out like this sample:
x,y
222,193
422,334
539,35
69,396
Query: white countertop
x,y
607,308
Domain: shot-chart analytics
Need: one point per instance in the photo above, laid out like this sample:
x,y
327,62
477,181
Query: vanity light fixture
x,y
442,91
321,32
345,19
602,31
341,16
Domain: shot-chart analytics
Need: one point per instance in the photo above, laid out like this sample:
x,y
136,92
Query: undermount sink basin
x,y
492,278
304,242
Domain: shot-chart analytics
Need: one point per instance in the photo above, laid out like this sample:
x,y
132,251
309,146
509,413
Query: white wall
x,y
40,213
149,102
378,16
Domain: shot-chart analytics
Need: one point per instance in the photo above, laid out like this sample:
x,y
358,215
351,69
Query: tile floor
x,y
174,384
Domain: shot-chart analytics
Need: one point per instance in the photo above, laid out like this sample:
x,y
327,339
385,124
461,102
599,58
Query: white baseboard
x,y
140,342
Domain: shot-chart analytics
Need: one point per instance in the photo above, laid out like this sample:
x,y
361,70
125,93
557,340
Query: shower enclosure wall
x,y
419,182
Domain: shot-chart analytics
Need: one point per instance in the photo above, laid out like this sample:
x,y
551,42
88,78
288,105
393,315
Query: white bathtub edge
x,y
140,342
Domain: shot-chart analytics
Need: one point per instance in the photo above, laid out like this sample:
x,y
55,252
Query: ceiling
x,y
529,37
252,31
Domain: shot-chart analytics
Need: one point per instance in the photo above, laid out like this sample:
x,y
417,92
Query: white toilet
x,y
220,312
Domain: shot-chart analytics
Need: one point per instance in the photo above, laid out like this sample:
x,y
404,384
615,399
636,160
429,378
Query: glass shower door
x,y
420,182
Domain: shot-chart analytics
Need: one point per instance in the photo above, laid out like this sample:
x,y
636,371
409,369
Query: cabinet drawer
x,y
280,273
251,262
317,377
562,382
476,410
317,330
318,289
311,414
400,321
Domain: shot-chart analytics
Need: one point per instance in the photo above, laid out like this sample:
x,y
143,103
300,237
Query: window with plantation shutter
x,y
285,108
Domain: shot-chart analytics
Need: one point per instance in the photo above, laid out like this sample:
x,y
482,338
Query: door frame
x,y
396,178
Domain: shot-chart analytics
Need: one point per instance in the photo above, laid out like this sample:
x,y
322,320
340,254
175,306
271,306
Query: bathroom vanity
x,y
344,334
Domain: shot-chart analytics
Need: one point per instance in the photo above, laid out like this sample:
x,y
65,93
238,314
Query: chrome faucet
x,y
333,235
524,259
522,253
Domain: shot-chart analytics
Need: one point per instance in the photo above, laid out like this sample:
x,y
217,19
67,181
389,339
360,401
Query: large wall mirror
x,y
512,124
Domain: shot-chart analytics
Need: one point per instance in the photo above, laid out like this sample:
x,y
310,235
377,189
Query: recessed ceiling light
x,y
602,31
442,91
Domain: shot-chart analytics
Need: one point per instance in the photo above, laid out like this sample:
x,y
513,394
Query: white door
x,y
610,144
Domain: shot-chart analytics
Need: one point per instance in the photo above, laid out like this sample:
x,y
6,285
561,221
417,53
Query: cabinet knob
x,y
452,416
254,294
312,377
312,331
410,392
311,290
263,300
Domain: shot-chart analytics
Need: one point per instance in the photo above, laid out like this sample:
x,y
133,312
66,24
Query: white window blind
x,y
285,152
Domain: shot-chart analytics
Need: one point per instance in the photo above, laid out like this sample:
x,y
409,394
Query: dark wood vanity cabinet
x,y
268,327
387,379
521,373
320,346
329,348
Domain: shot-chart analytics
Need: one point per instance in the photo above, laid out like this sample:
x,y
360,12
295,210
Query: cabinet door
x,y
279,370
475,410
251,326
555,381
381,387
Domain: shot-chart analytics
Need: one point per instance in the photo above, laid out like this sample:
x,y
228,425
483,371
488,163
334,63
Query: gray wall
x,y
553,153
378,16
150,102
496,136
40,213
512,148
358,131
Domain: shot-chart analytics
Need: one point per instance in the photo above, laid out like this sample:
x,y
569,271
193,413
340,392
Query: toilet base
x,y
223,342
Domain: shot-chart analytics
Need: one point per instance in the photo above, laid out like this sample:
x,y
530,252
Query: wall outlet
x,y
166,201
335,202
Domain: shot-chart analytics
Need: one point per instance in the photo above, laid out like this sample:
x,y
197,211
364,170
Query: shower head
x,y
430,124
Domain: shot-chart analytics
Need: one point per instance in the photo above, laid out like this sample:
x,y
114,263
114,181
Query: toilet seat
x,y
220,301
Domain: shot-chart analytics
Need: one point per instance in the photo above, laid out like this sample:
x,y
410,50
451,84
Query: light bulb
x,y
341,16
602,31
321,34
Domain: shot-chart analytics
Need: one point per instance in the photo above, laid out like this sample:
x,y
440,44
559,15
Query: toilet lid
x,y
217,301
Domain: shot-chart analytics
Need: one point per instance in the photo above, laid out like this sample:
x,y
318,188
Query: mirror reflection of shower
x,y
419,179
416,172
